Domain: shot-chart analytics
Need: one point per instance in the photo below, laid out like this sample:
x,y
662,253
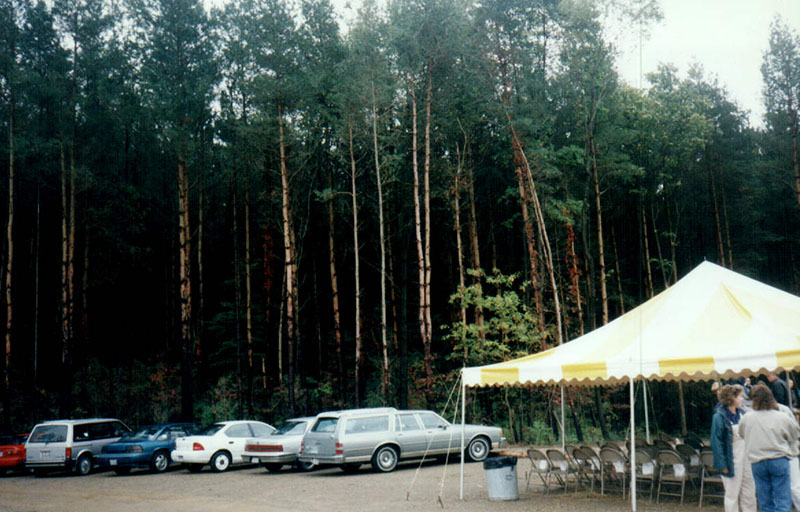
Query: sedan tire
x,y
220,462
273,467
385,459
160,462
478,449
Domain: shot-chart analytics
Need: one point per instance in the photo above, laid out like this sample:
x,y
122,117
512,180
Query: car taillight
x,y
339,449
302,447
68,453
197,447
134,448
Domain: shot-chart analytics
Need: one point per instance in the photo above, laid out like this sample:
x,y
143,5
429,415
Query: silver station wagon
x,y
383,436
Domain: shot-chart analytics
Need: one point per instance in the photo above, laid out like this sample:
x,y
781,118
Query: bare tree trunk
x,y
650,290
184,256
658,247
530,238
289,259
357,277
460,251
418,231
237,287
248,301
473,236
727,229
71,244
619,274
385,381
717,223
427,202
599,218
337,323
9,271
66,349
574,274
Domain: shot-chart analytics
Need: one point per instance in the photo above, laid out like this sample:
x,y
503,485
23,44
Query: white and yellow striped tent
x,y
712,323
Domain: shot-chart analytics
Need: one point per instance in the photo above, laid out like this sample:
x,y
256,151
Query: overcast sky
x,y
727,37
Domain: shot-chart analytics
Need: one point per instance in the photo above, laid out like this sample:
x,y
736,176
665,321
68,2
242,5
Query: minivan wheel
x,y
220,462
385,459
84,465
304,466
478,449
160,462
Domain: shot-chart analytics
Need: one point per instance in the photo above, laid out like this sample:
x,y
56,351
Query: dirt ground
x,y
251,488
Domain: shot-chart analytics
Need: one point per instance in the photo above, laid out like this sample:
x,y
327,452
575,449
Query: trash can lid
x,y
499,462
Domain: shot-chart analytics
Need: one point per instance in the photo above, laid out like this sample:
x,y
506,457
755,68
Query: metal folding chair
x,y
672,474
614,467
562,468
540,465
709,475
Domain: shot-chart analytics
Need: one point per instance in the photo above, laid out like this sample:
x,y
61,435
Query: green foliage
x,y
510,325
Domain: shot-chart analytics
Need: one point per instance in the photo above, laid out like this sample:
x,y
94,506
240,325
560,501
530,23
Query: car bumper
x,y
132,460
179,457
68,465
284,458
321,460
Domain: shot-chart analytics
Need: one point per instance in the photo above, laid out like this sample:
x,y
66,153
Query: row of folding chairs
x,y
663,470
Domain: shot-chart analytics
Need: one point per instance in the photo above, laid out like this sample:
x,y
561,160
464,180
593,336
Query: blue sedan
x,y
147,447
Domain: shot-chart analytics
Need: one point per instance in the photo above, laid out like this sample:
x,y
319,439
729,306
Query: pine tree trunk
x,y
289,262
357,276
795,156
460,252
237,289
66,346
682,407
727,229
201,223
248,301
473,237
533,254
418,232
337,323
385,381
650,290
658,247
9,272
184,256
71,244
427,202
619,274
574,274
717,222
601,258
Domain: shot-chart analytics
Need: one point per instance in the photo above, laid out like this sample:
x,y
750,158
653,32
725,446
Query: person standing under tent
x,y
780,390
770,438
729,451
794,467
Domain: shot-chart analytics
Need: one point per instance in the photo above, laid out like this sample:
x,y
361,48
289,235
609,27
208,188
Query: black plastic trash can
x,y
501,478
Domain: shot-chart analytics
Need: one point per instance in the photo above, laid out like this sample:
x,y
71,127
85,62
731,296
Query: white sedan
x,y
220,445
281,447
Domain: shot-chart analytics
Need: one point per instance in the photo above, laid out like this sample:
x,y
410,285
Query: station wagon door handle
x,y
230,442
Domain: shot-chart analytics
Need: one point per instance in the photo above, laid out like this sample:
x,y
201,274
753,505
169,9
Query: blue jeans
x,y
773,489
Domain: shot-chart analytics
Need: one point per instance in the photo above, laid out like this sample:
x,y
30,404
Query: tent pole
x,y
563,430
463,409
632,486
646,416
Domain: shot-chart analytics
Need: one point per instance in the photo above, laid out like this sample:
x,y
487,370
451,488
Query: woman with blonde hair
x,y
729,451
770,438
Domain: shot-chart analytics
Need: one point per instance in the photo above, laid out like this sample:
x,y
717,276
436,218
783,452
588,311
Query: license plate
x,y
312,449
44,453
113,462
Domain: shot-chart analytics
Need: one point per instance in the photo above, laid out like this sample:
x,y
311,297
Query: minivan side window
x,y
80,433
369,424
325,425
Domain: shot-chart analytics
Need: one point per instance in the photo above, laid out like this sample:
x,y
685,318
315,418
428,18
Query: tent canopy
x,y
712,323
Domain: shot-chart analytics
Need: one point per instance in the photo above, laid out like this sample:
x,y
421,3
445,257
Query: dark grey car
x,y
383,436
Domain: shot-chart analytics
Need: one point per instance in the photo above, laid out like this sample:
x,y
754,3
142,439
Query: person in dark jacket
x,y
780,390
729,453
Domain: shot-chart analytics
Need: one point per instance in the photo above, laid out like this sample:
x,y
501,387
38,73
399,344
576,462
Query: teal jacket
x,y
722,442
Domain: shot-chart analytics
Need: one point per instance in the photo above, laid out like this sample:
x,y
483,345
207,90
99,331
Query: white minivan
x,y
70,444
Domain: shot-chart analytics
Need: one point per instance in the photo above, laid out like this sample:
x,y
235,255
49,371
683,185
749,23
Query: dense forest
x,y
253,211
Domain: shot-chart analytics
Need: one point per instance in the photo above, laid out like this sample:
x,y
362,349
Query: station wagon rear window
x,y
49,434
370,424
325,425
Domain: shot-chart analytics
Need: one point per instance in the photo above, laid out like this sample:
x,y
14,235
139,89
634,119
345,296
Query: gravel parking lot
x,y
251,488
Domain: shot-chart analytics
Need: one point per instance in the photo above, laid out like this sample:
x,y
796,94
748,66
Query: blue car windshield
x,y
210,431
143,434
292,428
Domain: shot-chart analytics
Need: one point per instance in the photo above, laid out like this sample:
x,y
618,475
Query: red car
x,y
12,452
